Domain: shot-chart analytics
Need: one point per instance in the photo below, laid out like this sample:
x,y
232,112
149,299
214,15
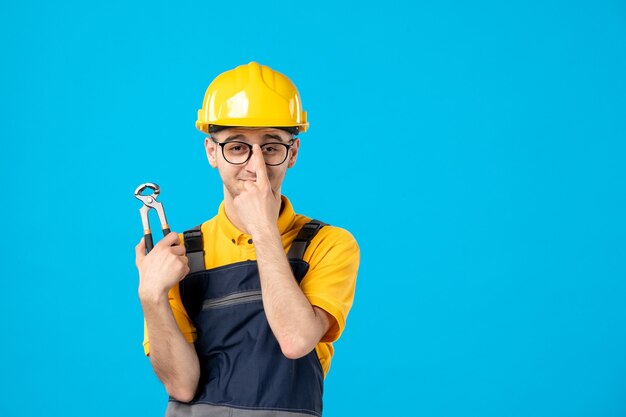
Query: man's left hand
x,y
258,206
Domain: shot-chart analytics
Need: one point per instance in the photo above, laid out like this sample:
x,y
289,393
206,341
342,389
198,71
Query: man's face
x,y
233,176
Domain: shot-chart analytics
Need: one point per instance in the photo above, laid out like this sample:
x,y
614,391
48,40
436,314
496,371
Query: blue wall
x,y
475,149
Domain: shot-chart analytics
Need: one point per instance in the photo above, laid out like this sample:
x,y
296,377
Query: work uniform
x,y
243,371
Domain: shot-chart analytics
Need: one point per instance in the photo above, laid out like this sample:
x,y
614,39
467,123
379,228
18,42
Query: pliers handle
x,y
150,202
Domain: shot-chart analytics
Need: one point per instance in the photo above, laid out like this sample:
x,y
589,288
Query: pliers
x,y
150,202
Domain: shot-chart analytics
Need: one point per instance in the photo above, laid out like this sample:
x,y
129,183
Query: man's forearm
x,y
296,324
173,359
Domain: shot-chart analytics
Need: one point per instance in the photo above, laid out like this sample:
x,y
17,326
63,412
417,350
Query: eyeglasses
x,y
238,153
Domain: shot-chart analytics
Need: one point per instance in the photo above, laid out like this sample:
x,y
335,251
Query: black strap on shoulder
x,y
302,241
194,244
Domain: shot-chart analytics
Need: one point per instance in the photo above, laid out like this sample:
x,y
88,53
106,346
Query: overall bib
x,y
242,369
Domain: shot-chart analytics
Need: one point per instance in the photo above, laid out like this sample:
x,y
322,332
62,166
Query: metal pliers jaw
x,y
150,202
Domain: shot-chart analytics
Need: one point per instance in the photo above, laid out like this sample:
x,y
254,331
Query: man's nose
x,y
251,164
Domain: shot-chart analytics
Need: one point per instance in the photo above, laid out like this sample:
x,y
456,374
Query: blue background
x,y
476,151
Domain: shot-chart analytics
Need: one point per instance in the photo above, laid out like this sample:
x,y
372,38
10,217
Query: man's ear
x,y
294,153
211,149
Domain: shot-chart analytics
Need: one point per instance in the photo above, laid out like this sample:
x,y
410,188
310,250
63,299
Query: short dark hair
x,y
289,129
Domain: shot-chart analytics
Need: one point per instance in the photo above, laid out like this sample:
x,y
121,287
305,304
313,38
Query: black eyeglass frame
x,y
286,145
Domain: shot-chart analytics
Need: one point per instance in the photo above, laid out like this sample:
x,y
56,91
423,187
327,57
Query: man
x,y
241,313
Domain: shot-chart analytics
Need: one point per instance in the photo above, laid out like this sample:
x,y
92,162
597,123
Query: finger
x,y
140,251
259,165
171,239
178,250
186,271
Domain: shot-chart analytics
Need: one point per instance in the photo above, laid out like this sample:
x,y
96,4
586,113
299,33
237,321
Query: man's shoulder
x,y
207,227
333,254
337,233
328,236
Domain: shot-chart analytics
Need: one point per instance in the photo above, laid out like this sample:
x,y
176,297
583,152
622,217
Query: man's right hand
x,y
173,358
162,268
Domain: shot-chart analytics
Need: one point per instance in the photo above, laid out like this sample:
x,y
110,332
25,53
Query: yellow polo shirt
x,y
333,258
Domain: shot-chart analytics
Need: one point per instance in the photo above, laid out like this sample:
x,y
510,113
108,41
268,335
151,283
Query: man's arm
x,y
173,359
297,325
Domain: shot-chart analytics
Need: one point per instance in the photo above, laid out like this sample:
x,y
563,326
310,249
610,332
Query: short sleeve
x,y
329,284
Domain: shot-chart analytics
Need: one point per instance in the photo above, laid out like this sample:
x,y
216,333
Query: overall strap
x,y
304,238
194,245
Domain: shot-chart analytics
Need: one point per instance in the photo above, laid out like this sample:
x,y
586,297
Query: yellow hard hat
x,y
252,95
